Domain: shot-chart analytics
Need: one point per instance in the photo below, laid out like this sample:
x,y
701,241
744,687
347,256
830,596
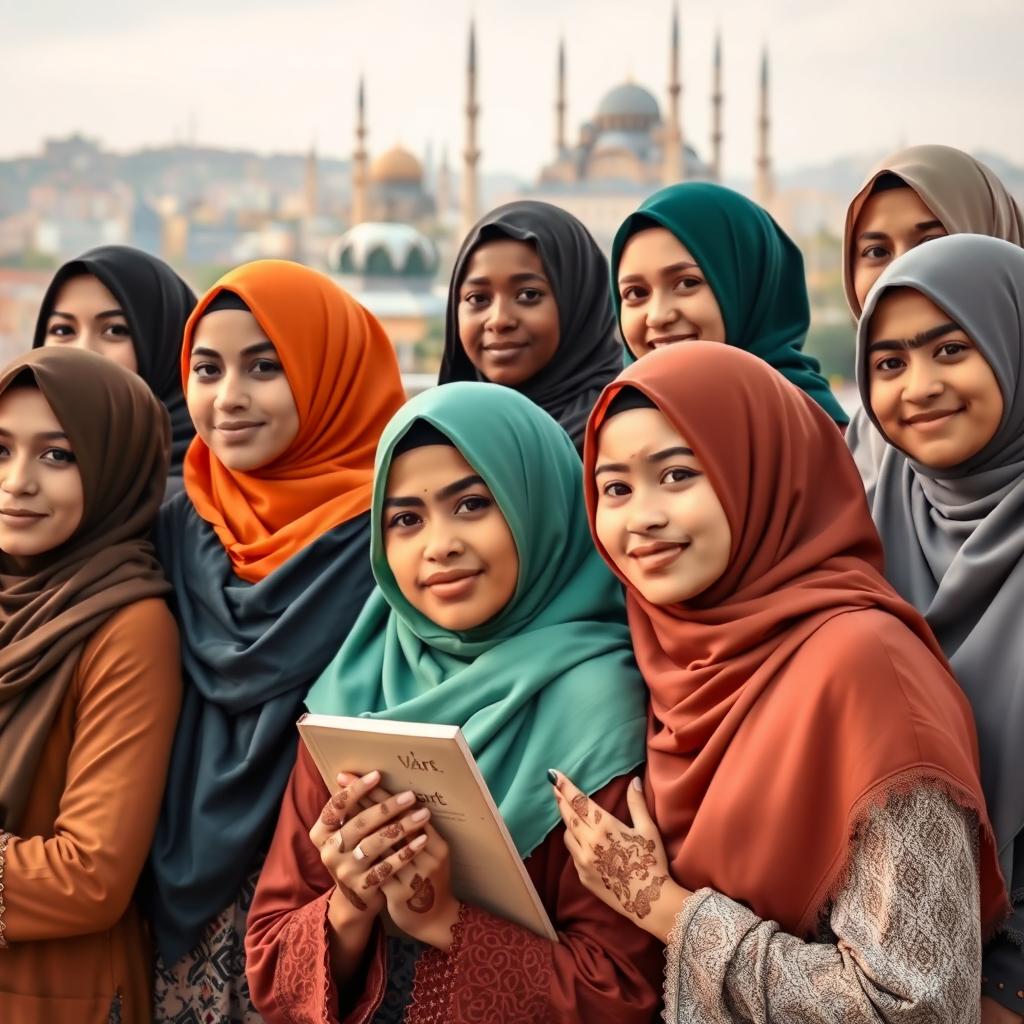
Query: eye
x,y
404,520
59,331
266,367
678,475
475,300
931,238
634,293
60,456
4,451
119,331
952,348
205,371
472,503
890,364
616,489
875,252
529,295
688,283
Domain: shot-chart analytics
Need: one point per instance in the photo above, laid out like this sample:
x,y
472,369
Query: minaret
x,y
764,188
471,155
674,163
359,161
443,198
560,103
716,111
311,200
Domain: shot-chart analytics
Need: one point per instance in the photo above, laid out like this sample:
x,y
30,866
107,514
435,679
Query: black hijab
x,y
589,352
156,304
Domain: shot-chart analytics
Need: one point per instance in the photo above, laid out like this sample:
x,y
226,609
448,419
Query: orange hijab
x,y
344,376
799,691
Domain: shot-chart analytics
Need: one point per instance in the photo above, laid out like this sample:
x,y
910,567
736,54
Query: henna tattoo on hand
x,y
581,805
422,899
352,897
333,815
406,853
378,874
392,831
626,862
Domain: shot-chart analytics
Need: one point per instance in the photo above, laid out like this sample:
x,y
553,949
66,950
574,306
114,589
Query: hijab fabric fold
x,y
156,304
962,192
50,607
799,690
589,350
754,269
550,680
954,538
270,571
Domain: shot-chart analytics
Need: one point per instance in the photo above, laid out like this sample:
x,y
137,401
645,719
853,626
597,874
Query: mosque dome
x,y
375,249
397,165
628,105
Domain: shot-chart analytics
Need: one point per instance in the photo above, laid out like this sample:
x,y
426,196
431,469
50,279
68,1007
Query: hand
x,y
355,843
625,866
995,1013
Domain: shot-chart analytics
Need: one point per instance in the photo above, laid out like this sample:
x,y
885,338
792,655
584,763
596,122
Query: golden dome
x,y
397,165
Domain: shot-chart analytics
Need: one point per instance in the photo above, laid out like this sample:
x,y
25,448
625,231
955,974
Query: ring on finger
x,y
340,840
358,852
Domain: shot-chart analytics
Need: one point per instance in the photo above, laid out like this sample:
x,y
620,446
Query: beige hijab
x,y
120,435
962,193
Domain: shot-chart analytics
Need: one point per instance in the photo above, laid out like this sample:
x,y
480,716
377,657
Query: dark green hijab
x,y
754,269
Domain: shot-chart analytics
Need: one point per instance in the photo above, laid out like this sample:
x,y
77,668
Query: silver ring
x,y
358,852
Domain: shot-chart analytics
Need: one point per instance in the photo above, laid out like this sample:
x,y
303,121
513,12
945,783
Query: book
x,y
435,762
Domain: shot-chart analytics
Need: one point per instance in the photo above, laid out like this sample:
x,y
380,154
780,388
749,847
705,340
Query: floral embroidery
x,y
4,839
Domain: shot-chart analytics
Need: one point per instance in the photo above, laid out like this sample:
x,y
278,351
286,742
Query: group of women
x,y
756,770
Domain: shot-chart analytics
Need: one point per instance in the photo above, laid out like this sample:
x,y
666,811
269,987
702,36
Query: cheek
x,y
634,328
279,405
864,276
123,353
469,328
403,561
609,527
708,317
199,400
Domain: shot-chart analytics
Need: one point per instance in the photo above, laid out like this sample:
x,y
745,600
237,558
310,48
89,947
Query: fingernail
x,y
637,784
404,799
418,842
371,778
552,776
419,816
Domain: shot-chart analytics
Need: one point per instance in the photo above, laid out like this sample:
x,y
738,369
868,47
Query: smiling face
x,y
933,392
238,395
41,495
658,516
889,224
86,315
665,295
448,545
508,317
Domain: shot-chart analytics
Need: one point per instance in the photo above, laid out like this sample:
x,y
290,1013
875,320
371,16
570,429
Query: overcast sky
x,y
848,77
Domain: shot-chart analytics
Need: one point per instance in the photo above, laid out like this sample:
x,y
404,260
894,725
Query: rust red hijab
x,y
344,377
800,690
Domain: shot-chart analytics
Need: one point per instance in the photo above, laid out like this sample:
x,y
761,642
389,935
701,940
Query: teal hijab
x,y
754,269
548,682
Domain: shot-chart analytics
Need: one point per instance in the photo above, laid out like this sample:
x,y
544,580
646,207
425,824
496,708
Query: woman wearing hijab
x,y
949,503
699,262
532,660
528,308
811,762
131,307
87,711
290,383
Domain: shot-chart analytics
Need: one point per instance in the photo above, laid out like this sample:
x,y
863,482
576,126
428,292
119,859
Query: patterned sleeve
x,y
905,942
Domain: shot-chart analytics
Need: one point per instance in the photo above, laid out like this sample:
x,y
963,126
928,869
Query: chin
x,y
666,591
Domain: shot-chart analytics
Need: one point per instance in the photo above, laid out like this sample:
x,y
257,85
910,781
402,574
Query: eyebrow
x,y
909,344
665,453
874,236
673,269
526,275
448,491
249,350
46,435
105,315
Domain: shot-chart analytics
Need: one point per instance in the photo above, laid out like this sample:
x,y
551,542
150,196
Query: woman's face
x,y
238,395
932,391
665,295
41,495
658,516
448,545
86,315
889,224
508,317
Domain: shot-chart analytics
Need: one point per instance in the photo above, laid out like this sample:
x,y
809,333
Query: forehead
x,y
428,468
894,210
651,249
26,410
635,433
903,312
228,330
84,294
501,257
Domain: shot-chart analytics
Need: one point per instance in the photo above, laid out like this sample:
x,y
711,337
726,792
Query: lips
x,y
452,584
931,419
657,555
20,517
670,339
231,426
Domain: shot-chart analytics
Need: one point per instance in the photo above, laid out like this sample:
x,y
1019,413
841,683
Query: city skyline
x,y
116,73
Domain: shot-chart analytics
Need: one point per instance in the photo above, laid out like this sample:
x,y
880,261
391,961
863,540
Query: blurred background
x,y
364,138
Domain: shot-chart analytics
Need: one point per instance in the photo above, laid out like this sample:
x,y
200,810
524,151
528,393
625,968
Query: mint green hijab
x,y
551,680
754,269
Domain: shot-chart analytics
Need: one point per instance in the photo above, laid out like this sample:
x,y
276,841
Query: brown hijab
x,y
800,690
962,192
120,435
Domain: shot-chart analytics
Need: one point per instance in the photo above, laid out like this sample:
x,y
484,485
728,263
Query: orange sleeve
x,y
82,878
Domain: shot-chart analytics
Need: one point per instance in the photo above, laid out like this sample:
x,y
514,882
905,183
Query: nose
x,y
232,395
16,476
644,516
921,383
501,314
661,310
441,543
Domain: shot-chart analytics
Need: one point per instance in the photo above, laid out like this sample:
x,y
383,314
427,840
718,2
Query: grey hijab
x,y
954,539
